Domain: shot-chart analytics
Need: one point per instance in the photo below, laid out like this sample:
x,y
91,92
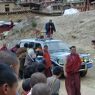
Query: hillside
x,y
76,30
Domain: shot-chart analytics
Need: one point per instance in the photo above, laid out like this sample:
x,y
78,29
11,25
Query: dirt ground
x,y
87,84
76,30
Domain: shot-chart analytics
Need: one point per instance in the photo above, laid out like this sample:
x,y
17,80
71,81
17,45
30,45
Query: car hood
x,y
61,56
64,54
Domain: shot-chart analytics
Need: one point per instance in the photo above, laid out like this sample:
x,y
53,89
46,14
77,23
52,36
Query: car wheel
x,y
83,73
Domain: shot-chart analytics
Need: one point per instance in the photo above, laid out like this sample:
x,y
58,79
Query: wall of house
x,y
4,7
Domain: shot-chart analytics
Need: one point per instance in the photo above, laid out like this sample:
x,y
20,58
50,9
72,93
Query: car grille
x,y
82,66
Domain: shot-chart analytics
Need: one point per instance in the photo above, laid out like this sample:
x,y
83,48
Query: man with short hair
x,y
35,79
41,89
10,59
8,80
50,28
53,81
26,86
71,72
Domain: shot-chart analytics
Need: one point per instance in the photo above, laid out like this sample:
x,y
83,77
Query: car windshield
x,y
57,46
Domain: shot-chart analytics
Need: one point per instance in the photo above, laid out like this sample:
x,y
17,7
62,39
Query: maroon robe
x,y
72,80
48,64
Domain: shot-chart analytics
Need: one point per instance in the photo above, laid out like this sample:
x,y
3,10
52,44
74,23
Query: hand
x,y
65,74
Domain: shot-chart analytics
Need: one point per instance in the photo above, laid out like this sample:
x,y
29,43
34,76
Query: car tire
x,y
83,73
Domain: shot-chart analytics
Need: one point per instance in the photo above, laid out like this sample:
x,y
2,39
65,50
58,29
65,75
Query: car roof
x,y
41,41
38,40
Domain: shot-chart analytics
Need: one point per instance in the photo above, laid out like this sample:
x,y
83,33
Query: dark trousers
x,y
72,83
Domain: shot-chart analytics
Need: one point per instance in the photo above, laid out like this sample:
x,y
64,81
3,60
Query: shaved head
x,y
10,59
37,78
41,89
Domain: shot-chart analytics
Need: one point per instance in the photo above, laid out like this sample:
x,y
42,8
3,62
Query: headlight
x,y
60,61
85,59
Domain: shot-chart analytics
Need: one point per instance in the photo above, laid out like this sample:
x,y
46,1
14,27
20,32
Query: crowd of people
x,y
34,67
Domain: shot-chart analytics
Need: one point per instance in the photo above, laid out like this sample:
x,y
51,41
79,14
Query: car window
x,y
22,43
32,43
37,45
57,46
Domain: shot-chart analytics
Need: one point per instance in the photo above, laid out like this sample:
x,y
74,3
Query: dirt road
x,y
87,84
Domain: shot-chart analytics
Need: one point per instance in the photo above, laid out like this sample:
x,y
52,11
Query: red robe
x,y
72,80
47,58
48,63
73,64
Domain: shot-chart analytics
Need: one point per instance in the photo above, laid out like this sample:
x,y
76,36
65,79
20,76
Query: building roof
x,y
7,1
75,1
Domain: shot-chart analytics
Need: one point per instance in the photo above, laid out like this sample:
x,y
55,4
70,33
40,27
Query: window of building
x,y
7,5
54,7
7,9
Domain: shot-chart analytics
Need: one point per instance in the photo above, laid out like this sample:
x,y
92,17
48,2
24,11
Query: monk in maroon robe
x,y
71,72
48,63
